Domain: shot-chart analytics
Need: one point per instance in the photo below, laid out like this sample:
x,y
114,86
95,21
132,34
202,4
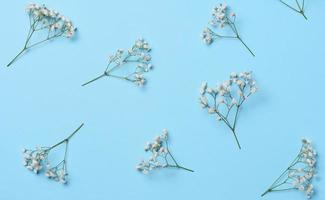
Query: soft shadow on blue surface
x,y
42,100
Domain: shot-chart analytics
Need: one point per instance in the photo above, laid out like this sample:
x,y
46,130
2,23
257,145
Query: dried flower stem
x,y
138,54
221,17
277,182
225,119
43,19
66,140
300,10
225,100
36,159
161,156
233,27
107,73
176,165
32,30
299,174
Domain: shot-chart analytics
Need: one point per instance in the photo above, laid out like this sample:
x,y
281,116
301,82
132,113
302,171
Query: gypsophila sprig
x,y
300,173
138,55
226,99
37,160
222,18
161,156
299,8
49,24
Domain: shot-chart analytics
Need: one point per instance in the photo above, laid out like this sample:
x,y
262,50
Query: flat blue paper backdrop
x,y
42,100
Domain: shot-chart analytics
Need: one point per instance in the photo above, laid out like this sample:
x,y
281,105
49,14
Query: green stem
x,y
176,164
95,79
298,4
66,140
271,190
167,146
236,116
272,187
303,14
235,135
26,46
267,191
292,8
29,36
239,38
74,132
65,156
180,167
15,58
301,8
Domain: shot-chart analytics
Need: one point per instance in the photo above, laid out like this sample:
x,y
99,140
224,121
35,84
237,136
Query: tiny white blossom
x,y
138,54
222,18
228,95
161,157
300,174
37,160
44,20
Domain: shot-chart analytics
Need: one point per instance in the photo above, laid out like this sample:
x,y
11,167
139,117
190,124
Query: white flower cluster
x,y
51,20
161,156
230,93
36,160
158,150
304,169
207,36
300,174
33,159
221,18
139,53
223,98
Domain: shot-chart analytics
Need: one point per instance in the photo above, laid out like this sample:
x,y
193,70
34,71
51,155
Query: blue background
x,y
42,100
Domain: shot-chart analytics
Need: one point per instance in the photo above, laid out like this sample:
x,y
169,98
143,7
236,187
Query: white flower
x,y
62,176
233,75
50,173
159,156
224,96
211,110
222,18
164,134
207,36
48,24
139,79
48,16
203,101
253,89
233,101
203,88
138,55
37,160
301,172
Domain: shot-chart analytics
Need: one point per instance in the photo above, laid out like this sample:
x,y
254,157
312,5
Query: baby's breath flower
x,y
161,156
299,8
300,173
37,159
222,18
139,55
45,22
226,99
